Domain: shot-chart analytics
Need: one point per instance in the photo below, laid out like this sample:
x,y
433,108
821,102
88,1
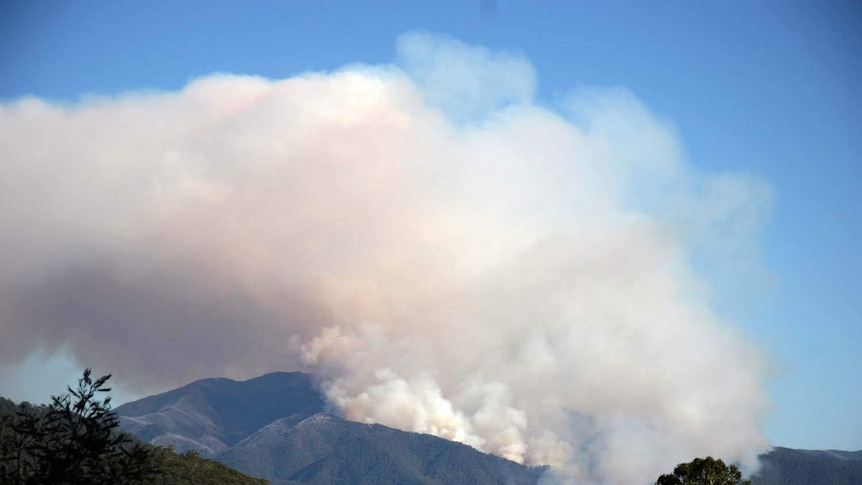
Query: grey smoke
x,y
450,256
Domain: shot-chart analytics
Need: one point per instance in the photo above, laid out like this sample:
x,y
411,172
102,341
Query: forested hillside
x,y
785,466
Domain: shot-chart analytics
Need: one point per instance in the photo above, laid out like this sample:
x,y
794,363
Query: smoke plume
x,y
448,255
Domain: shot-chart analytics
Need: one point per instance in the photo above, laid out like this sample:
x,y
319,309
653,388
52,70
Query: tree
x,y
703,471
74,440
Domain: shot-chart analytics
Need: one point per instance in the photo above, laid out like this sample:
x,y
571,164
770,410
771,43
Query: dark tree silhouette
x,y
703,471
74,440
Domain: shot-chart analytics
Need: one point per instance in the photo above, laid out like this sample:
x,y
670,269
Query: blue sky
x,y
768,88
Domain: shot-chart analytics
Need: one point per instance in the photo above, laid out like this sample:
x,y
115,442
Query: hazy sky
x,y
770,90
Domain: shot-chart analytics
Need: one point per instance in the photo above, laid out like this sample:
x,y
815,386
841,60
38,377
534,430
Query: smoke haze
x,y
446,254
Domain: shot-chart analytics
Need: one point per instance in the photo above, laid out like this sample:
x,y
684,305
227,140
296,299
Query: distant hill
x,y
785,466
274,427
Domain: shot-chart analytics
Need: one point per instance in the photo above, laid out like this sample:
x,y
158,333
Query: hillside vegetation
x,y
785,466
191,469
75,440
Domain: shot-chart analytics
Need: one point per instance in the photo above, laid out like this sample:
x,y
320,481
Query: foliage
x,y
7,406
191,469
73,440
703,471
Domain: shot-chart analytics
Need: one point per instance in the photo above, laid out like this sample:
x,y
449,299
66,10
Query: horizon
x,y
746,114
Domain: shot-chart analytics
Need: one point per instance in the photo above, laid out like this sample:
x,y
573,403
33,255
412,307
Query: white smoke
x,y
448,255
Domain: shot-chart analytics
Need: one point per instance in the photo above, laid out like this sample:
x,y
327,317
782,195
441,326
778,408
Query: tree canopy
x,y
703,471
74,440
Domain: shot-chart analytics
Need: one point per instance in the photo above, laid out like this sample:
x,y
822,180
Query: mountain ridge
x,y
275,427
787,466
286,437
210,415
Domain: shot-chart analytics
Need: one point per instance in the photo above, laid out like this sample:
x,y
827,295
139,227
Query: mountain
x,y
324,449
211,415
274,427
785,466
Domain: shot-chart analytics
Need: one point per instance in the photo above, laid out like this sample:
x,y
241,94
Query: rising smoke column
x,y
446,254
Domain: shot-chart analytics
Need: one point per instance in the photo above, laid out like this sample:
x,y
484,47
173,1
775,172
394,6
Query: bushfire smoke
x,y
448,255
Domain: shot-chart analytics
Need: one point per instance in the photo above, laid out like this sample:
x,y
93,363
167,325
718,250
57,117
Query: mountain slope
x,y
784,466
325,449
190,469
273,427
212,414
